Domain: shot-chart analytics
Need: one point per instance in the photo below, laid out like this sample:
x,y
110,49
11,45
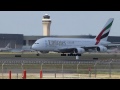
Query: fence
x,y
78,70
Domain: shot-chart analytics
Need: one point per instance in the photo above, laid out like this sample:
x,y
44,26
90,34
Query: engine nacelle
x,y
79,50
101,49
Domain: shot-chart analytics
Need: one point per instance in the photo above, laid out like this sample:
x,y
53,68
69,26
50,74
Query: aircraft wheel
x,y
63,54
38,54
78,54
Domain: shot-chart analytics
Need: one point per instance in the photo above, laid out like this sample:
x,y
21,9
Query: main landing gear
x,y
71,54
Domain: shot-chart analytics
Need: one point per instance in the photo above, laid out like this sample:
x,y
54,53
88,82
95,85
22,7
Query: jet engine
x,y
101,49
79,50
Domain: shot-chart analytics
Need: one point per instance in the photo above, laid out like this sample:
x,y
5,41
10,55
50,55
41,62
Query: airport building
x,y
20,40
15,40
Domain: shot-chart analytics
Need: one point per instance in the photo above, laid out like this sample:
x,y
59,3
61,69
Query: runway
x,y
19,60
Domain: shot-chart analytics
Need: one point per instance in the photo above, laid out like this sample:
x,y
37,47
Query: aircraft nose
x,y
33,46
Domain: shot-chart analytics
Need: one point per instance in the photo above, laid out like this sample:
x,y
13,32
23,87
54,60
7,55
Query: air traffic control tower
x,y
46,21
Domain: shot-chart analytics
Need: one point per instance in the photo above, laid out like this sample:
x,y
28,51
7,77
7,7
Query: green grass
x,y
82,68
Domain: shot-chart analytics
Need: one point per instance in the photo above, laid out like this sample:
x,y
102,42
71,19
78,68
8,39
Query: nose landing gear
x,y
38,54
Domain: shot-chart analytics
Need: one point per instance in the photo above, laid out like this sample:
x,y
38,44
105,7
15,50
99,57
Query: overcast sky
x,y
63,22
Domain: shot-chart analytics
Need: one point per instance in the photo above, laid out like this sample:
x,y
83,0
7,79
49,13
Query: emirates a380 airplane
x,y
75,46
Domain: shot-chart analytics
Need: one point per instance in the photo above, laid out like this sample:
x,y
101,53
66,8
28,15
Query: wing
x,y
112,45
71,49
86,48
65,50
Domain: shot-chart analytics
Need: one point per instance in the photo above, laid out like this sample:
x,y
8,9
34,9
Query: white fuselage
x,y
54,44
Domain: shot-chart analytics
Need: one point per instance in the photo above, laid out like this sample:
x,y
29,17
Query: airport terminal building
x,y
29,40
19,40
15,40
